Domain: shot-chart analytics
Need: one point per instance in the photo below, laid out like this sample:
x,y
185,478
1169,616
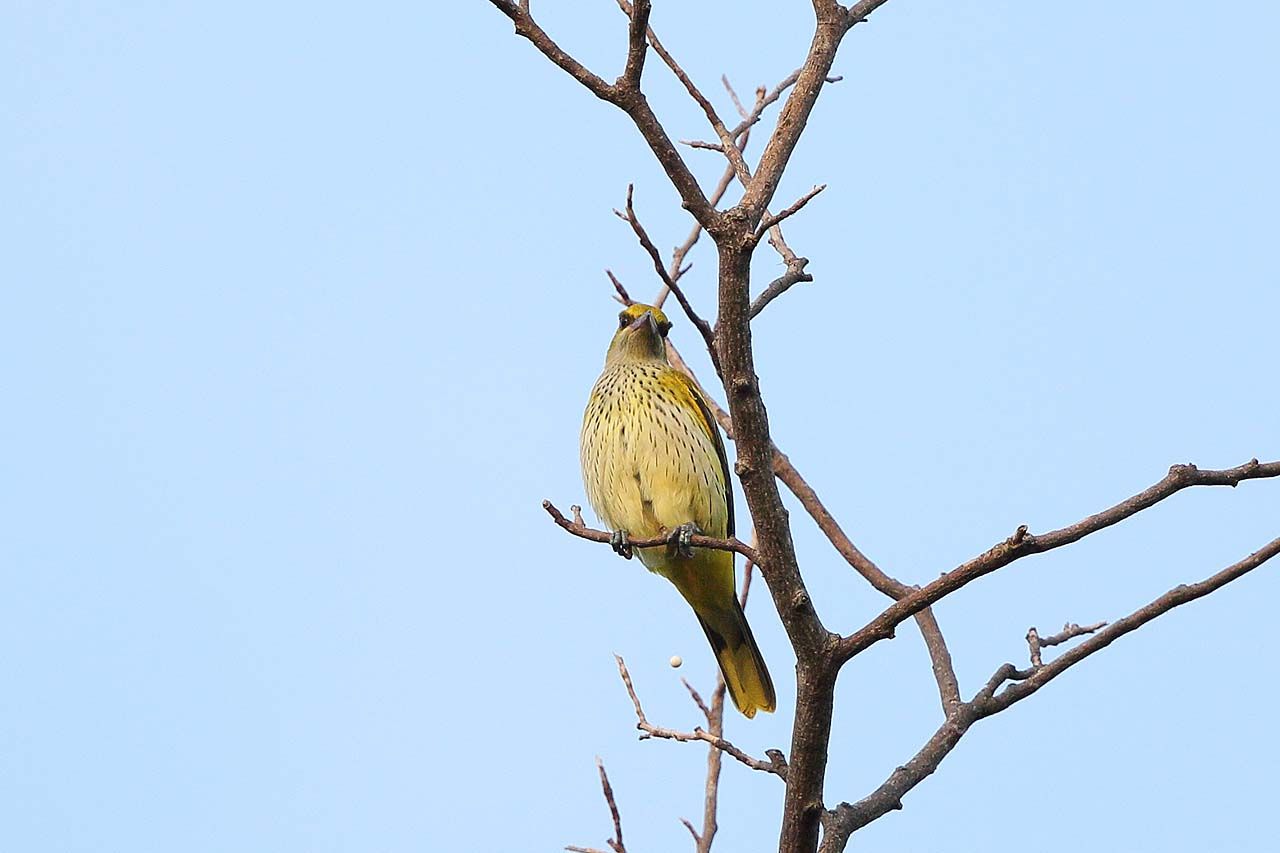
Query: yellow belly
x,y
647,461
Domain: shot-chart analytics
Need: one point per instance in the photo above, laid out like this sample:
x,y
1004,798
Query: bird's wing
x,y
708,422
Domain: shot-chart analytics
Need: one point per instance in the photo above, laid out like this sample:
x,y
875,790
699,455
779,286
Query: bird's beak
x,y
642,320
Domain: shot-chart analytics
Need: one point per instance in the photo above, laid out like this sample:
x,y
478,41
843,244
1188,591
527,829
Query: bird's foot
x,y
618,542
678,539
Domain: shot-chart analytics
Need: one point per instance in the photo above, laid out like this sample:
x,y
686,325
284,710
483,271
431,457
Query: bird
x,y
654,464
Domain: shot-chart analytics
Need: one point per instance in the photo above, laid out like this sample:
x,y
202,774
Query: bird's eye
x,y
664,327
623,320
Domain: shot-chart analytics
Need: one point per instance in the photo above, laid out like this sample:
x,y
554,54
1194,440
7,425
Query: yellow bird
x,y
653,464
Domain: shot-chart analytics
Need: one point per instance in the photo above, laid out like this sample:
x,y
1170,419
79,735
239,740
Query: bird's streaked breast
x,y
648,461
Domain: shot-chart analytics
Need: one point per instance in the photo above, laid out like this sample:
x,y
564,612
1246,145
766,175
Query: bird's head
x,y
641,330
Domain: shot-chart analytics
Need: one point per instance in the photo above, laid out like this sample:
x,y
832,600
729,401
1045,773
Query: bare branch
x,y
1069,631
623,296
615,843
1175,597
726,140
790,210
939,656
697,540
846,818
795,274
775,765
677,268
529,29
858,12
737,104
765,99
703,327
784,470
629,100
830,29
795,266
636,48
833,22
944,672
1023,543
703,145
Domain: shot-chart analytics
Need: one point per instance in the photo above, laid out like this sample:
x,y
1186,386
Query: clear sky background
x,y
300,307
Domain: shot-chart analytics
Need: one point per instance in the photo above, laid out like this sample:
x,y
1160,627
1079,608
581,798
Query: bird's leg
x,y
678,539
618,542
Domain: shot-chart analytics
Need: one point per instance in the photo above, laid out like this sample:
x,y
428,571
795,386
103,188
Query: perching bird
x,y
654,464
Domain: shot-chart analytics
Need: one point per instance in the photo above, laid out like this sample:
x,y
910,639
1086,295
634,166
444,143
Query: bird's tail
x,y
744,671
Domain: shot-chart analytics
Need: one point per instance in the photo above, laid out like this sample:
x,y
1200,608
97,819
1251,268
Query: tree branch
x,y
615,843
578,528
831,26
939,656
636,49
790,210
677,268
528,28
847,818
795,265
776,765
858,12
631,101
1069,631
726,139
795,274
1023,543
703,327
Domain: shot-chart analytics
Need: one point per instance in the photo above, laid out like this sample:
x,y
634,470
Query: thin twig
x,y
622,295
792,209
858,12
1069,631
795,274
726,139
703,145
697,540
795,265
677,268
703,327
615,843
774,765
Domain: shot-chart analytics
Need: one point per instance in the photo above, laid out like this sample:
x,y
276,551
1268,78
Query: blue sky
x,y
301,305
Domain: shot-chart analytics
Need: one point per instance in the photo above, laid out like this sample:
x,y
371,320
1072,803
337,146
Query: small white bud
x,y
676,661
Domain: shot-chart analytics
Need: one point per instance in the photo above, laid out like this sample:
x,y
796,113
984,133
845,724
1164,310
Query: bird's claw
x,y
679,538
618,542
